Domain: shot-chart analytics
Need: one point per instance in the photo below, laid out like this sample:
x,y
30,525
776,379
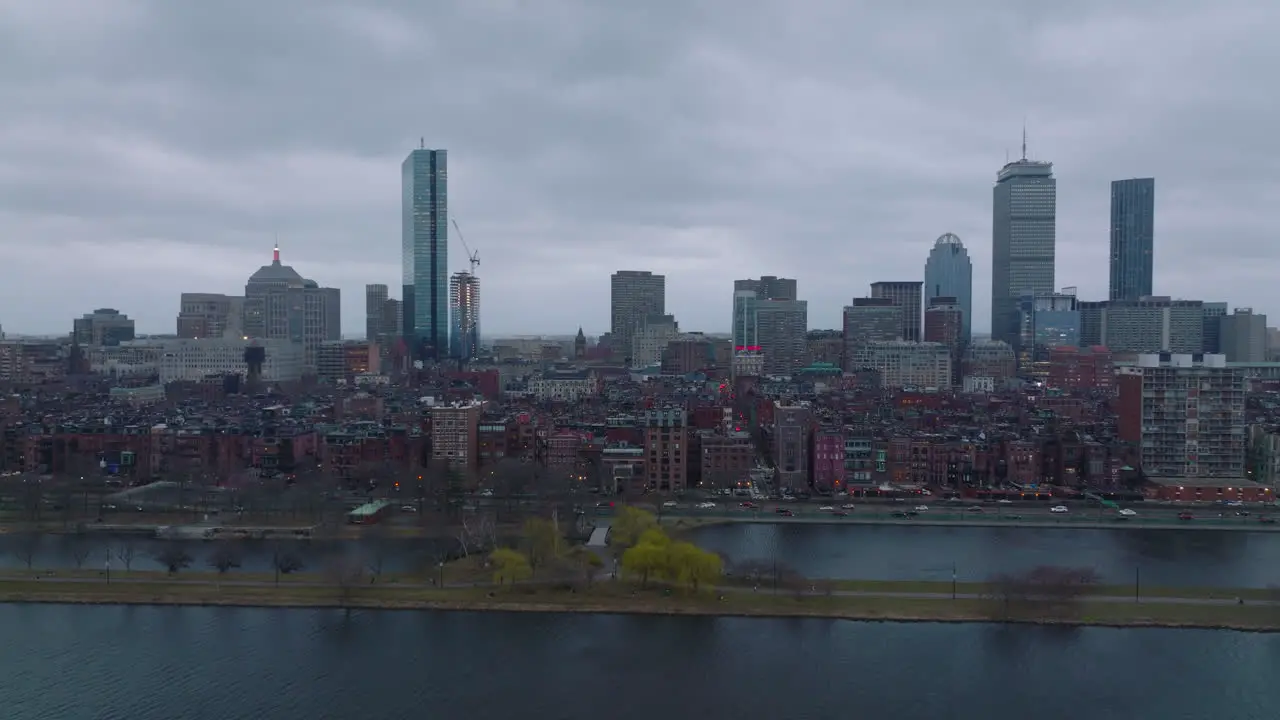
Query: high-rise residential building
x,y
424,252
464,309
949,273
906,295
666,445
104,326
1023,240
1133,209
791,430
1243,336
783,327
280,304
634,296
211,315
1186,412
455,434
747,294
375,310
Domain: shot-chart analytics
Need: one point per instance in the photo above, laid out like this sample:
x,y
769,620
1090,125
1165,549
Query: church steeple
x,y
580,345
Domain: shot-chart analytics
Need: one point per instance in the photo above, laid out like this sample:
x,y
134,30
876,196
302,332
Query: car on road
x,y
1184,515
748,505
1059,509
486,493
785,512
670,504
976,509
900,514
922,508
840,513
1126,512
706,506
826,508
1235,503
604,504
1004,501
1267,520
847,506
408,508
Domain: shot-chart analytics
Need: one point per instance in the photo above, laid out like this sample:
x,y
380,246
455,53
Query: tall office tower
x,y
424,252
783,328
1133,210
634,296
949,273
281,304
745,339
211,315
1243,336
104,326
1212,332
906,295
464,308
375,310
1023,239
768,287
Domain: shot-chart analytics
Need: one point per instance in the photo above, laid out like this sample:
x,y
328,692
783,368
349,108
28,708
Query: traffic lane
x,y
956,510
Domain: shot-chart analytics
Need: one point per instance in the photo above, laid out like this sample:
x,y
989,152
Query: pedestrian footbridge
x,y
599,537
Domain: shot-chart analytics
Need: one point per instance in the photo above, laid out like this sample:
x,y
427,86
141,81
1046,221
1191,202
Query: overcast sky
x,y
150,147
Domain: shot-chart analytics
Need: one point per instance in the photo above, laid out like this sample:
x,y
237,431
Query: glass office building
x,y
425,252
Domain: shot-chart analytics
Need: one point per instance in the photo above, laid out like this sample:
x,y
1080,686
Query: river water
x,y
875,552
157,663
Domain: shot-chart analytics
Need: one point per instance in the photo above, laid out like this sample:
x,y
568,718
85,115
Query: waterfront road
x,y
1209,517
814,591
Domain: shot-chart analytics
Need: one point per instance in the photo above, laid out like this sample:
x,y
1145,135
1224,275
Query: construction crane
x,y
472,257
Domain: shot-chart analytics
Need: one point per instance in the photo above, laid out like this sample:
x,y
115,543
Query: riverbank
x,y
619,598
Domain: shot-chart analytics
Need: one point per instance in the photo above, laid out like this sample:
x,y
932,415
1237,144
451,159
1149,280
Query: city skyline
x,y
844,198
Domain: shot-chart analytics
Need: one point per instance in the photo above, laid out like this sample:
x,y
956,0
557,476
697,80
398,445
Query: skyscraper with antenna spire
x,y
1023,239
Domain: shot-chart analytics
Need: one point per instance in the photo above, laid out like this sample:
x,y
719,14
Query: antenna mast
x,y
1024,138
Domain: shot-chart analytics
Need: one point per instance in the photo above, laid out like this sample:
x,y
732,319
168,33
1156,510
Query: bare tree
x,y
346,575
27,546
1045,591
285,560
225,557
173,557
376,546
125,553
79,547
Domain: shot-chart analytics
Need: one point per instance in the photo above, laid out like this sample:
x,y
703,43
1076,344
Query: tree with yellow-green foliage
x,y
586,561
655,555
542,542
509,566
628,525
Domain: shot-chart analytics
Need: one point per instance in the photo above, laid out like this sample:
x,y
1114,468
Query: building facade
x,y
666,446
791,430
1023,240
634,296
464,311
455,434
104,326
424,252
1243,336
902,364
783,327
906,295
949,273
210,315
1186,413
1133,208
375,312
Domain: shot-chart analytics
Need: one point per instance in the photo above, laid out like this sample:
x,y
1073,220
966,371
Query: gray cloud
x,y
149,147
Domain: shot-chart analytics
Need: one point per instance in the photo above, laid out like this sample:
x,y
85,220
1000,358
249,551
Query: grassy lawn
x,y
622,598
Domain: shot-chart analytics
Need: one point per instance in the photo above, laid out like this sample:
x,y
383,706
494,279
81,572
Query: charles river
x,y
145,663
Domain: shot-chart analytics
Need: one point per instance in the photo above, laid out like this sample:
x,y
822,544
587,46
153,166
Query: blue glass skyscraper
x,y
424,252
1133,211
949,273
